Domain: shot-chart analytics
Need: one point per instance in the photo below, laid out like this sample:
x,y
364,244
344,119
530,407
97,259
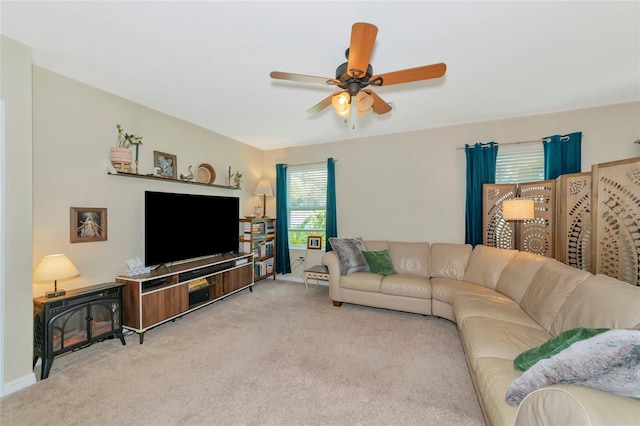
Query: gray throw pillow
x,y
349,252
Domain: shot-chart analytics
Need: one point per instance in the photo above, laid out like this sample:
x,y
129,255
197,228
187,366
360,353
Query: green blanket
x,y
553,346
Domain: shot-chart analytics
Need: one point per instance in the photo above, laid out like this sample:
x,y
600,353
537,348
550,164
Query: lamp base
x,y
55,293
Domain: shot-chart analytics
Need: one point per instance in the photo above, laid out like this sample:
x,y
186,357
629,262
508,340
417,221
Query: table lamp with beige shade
x,y
264,188
55,267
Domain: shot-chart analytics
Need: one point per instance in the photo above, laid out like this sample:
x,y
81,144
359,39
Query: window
x,y
307,203
516,165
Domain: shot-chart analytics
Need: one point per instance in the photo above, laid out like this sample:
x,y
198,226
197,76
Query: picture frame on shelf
x,y
314,243
88,224
165,165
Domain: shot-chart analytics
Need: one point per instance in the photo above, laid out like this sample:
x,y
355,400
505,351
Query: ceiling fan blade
x,y
363,36
301,78
379,105
412,74
323,103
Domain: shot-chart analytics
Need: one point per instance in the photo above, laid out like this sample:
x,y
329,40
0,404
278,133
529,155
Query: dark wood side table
x,y
75,320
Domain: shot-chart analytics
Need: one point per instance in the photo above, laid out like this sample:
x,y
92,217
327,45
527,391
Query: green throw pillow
x,y
379,262
554,346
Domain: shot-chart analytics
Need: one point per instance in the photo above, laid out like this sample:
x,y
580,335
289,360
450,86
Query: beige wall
x,y
411,186
15,265
75,128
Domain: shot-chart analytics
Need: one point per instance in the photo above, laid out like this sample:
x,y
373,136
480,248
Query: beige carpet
x,y
276,356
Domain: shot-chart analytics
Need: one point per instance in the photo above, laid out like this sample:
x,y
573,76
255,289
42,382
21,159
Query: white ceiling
x,y
208,62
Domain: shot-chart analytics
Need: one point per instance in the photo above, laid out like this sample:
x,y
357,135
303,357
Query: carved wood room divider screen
x,y
590,221
537,235
573,220
616,219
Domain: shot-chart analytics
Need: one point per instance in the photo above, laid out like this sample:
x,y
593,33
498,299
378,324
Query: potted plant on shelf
x,y
237,179
121,155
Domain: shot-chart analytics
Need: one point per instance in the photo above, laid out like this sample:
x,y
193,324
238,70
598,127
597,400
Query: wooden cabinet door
x,y
159,305
216,286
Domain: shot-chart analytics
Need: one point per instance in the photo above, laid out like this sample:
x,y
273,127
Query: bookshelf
x,y
258,237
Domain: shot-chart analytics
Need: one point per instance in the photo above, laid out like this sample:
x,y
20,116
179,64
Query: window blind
x,y
306,200
517,166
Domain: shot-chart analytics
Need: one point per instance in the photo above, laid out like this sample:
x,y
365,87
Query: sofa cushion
x,y
493,377
488,337
518,273
486,264
445,290
549,289
498,307
449,260
553,346
410,258
376,245
406,285
379,262
349,252
600,301
365,281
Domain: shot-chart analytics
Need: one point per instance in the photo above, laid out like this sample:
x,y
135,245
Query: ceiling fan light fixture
x,y
364,103
341,104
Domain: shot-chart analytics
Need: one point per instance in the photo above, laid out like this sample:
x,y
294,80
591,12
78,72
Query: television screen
x,y
185,226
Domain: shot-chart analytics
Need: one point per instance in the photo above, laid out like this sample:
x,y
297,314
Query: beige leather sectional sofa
x,y
503,302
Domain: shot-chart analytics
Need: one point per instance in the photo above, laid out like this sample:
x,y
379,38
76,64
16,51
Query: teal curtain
x,y
283,261
332,215
481,169
562,155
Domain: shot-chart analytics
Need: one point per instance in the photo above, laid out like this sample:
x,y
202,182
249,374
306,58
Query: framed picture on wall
x,y
165,165
314,243
88,224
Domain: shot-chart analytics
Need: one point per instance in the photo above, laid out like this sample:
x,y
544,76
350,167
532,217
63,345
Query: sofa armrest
x,y
577,405
331,261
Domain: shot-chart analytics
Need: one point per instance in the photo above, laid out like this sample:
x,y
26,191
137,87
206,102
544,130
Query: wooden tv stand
x,y
170,292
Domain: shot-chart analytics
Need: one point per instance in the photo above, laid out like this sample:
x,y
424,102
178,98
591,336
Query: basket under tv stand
x,y
165,294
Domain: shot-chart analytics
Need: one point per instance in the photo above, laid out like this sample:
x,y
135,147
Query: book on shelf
x,y
245,247
193,285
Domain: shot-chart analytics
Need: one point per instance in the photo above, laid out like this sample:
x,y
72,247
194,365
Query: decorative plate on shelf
x,y
205,173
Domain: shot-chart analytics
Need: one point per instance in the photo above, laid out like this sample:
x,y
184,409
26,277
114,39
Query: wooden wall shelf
x,y
133,175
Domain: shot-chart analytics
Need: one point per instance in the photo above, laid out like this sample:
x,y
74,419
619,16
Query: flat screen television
x,y
186,226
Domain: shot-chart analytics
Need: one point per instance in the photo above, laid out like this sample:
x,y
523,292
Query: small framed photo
x,y
165,165
88,224
314,243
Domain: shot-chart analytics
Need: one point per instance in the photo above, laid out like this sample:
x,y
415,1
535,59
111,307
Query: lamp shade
x,y
263,188
342,103
55,267
518,209
364,103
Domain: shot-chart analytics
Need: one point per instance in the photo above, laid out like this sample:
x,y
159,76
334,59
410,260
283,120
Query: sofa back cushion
x,y
599,302
549,289
376,245
486,264
410,258
518,273
449,260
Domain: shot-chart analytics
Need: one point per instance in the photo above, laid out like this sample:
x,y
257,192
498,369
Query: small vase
x,y
121,159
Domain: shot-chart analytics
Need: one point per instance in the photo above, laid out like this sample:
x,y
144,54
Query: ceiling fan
x,y
356,75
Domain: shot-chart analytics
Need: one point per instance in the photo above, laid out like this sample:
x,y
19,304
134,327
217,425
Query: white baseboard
x,y
289,277
300,280
18,384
